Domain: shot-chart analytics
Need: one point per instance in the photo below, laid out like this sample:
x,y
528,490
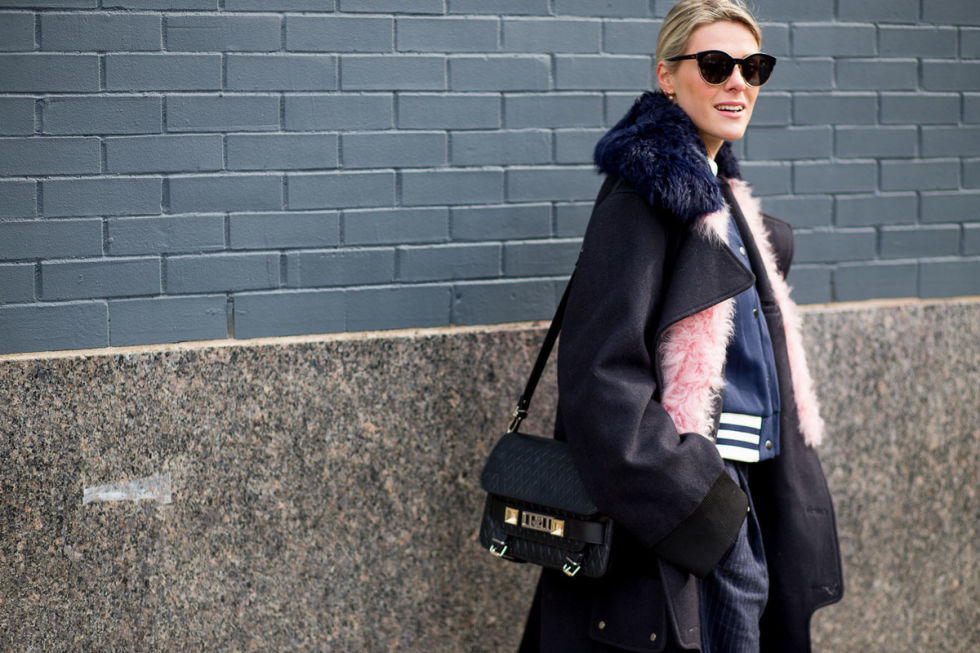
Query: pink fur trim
x,y
693,353
811,424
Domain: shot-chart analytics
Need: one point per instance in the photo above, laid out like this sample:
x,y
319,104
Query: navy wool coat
x,y
645,267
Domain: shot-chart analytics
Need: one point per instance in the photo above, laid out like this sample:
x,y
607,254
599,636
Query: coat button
x,y
741,250
755,312
602,625
653,637
768,444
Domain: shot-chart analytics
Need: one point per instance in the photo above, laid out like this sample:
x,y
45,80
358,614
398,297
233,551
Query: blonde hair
x,y
688,15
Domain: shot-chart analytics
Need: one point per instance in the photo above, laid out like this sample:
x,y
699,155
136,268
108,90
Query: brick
x,y
629,36
837,40
501,7
221,114
399,307
160,4
601,72
501,222
865,74
957,206
855,282
553,110
616,105
341,190
835,108
552,183
167,234
447,34
430,110
287,72
949,278
572,218
971,107
394,6
951,13
918,242
880,11
102,115
442,262
394,149
16,283
101,32
51,4
102,196
395,226
439,187
221,272
950,141
17,32
801,210
339,34
833,246
794,10
93,279
611,8
834,177
866,210
576,145
49,156
163,153
541,258
347,267
289,313
282,230
282,151
499,73
507,147
790,143
768,178
775,110
969,44
503,301
225,193
50,239
971,174
366,72
16,116
802,75
370,111
864,142
167,319
17,199
280,5
223,33
550,35
811,284
919,108
163,72
951,75
918,41
919,175
39,73
971,239
48,327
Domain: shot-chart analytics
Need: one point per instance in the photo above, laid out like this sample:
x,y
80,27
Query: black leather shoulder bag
x,y
537,509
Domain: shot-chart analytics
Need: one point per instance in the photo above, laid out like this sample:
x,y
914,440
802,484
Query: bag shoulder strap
x,y
520,412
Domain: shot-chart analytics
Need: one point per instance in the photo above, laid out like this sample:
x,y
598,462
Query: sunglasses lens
x,y
716,67
757,69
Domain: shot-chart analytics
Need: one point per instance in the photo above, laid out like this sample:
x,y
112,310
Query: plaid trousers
x,y
734,595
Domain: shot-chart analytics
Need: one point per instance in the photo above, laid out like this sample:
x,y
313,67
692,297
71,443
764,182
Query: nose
x,y
736,82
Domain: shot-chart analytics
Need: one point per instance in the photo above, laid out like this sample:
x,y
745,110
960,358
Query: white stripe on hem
x,y
738,453
741,436
738,419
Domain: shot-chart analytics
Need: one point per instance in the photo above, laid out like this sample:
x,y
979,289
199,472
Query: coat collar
x,y
657,149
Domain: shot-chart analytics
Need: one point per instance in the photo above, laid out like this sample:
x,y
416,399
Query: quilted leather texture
x,y
536,470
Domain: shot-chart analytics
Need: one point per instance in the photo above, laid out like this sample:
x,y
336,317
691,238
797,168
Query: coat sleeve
x,y
669,489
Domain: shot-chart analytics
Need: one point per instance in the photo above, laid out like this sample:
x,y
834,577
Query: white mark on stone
x,y
154,488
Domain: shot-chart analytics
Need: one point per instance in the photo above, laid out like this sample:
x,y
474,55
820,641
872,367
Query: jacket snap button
x,y
755,312
768,444
653,637
741,250
602,625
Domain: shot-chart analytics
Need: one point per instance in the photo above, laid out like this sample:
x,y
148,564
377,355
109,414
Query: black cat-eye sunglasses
x,y
716,66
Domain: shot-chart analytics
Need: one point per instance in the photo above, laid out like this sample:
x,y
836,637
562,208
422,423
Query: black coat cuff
x,y
699,542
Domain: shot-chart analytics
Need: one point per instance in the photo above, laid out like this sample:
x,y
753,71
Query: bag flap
x,y
537,470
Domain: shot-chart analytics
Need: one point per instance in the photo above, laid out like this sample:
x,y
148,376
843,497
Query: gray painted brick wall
x,y
193,169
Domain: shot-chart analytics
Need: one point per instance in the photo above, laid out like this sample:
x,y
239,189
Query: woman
x,y
683,389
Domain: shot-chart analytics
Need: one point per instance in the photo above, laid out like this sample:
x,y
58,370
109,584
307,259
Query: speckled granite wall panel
x,y
324,494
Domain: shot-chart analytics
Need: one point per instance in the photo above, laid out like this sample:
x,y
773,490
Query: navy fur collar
x,y
657,149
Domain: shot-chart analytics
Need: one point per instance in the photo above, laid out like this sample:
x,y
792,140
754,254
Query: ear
x,y
665,78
